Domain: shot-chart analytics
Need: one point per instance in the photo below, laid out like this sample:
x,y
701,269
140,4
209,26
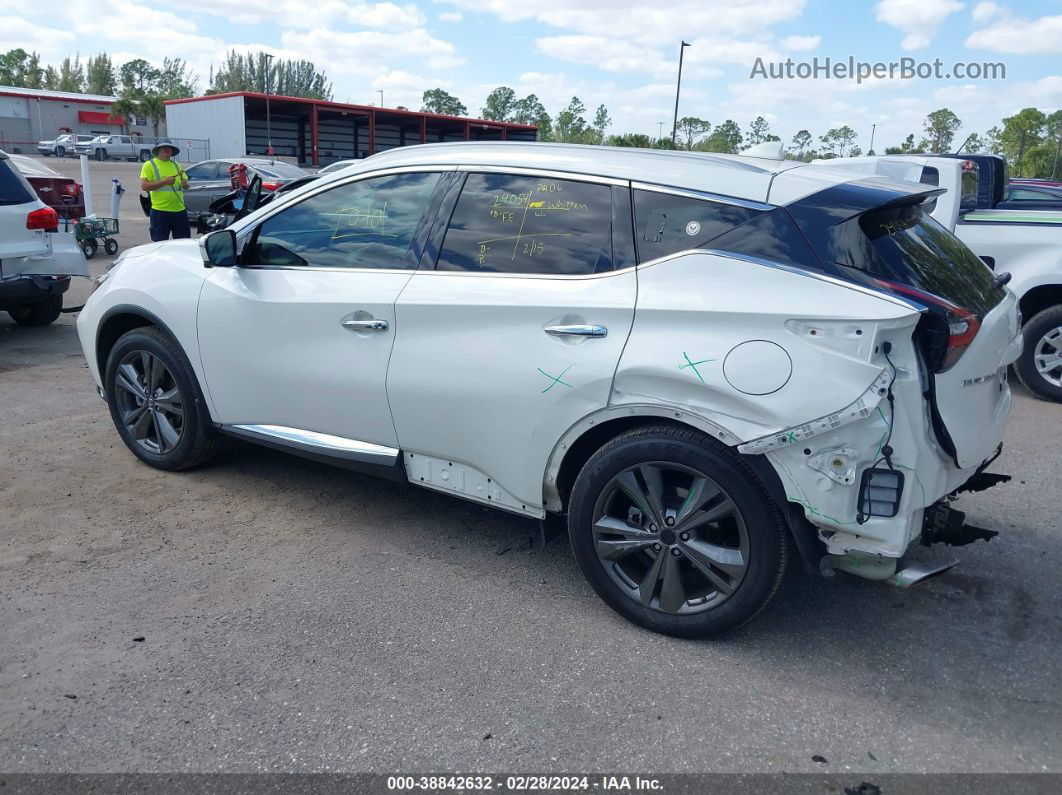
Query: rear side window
x,y
903,245
667,223
12,191
509,223
772,236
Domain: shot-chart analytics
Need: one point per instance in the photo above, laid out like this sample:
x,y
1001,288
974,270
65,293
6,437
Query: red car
x,y
62,194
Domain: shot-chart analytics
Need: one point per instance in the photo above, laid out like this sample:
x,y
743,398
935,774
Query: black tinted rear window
x,y
902,244
667,223
12,191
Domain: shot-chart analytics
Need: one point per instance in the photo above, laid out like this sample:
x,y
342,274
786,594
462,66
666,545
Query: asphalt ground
x,y
265,613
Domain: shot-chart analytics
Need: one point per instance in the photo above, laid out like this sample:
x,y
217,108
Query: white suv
x,y
701,361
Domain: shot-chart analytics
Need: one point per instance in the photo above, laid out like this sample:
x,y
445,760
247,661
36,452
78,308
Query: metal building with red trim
x,y
317,132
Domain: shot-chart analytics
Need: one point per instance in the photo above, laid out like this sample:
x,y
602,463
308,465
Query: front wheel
x,y
110,245
675,533
145,156
101,155
40,313
89,247
1040,365
60,152
155,401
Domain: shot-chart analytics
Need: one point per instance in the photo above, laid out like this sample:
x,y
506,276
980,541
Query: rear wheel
x,y
89,248
675,533
110,245
155,401
39,313
1040,364
145,156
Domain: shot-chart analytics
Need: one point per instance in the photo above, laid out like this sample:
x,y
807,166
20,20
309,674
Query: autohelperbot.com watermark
x,y
849,68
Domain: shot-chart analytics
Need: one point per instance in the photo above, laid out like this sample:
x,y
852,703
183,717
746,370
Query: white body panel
x,y
472,374
275,352
15,239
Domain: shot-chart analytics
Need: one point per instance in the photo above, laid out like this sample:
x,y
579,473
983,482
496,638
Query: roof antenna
x,y
968,137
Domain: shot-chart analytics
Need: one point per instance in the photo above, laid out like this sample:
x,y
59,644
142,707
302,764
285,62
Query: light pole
x,y
269,125
660,130
678,87
873,129
380,92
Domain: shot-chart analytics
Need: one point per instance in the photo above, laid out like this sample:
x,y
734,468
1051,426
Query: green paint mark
x,y
556,379
693,365
790,438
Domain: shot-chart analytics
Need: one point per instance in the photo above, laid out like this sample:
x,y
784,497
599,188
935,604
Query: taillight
x,y
270,185
45,218
962,324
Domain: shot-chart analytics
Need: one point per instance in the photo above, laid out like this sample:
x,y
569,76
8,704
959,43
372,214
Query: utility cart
x,y
90,231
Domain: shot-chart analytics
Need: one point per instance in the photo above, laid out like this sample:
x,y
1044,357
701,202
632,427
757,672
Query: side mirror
x,y
218,249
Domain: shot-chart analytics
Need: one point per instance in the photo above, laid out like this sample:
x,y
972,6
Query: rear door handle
x,y
577,330
374,324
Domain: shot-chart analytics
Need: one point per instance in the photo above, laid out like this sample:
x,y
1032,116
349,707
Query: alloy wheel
x,y
671,537
149,402
1047,356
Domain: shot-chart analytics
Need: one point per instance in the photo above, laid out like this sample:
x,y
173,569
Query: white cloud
x,y
451,16
53,44
1020,35
985,11
645,21
918,19
318,14
800,43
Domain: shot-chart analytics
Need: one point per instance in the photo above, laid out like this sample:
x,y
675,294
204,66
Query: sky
x,y
620,53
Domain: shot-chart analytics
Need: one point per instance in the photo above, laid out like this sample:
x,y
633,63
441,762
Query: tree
x,y
691,129
974,144
630,139
992,140
1021,132
530,111
838,140
436,100
801,142
138,77
571,126
759,130
99,75
726,137
1053,129
602,121
249,72
124,107
20,68
154,108
50,80
71,75
940,127
175,80
500,105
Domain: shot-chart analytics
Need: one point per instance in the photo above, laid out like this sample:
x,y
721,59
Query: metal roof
x,y
43,93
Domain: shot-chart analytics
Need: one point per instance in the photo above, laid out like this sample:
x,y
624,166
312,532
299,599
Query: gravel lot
x,y
267,613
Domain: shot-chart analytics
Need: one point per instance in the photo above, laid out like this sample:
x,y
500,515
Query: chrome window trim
x,y
524,171
719,198
313,441
492,274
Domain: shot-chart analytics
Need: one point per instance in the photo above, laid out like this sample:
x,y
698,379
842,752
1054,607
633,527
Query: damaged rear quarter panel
x,y
709,330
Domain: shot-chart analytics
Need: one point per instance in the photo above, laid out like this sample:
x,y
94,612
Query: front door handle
x,y
577,330
373,324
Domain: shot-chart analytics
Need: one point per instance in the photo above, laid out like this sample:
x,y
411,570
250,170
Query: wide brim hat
x,y
166,142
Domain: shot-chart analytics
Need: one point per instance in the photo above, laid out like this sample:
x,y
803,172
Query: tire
x,y
101,155
1043,349
110,245
168,426
145,156
39,313
60,152
731,530
89,248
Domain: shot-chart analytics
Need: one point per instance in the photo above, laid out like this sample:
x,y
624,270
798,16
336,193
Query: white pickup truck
x,y
121,147
1026,244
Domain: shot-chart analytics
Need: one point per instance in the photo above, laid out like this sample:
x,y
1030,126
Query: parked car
x,y
701,361
120,147
209,180
339,165
1028,196
62,145
1024,244
62,194
36,260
